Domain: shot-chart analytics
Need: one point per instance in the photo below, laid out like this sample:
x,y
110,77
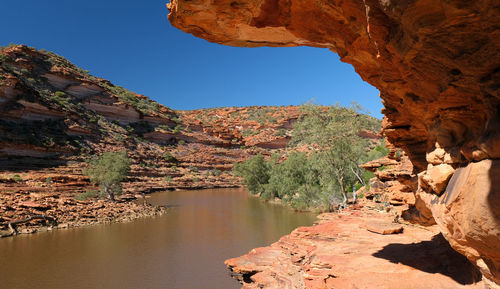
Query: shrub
x,y
193,169
255,173
3,57
90,194
169,157
17,178
167,179
109,170
177,128
382,168
215,172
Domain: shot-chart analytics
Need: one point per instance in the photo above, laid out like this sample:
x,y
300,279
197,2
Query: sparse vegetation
x,y
215,172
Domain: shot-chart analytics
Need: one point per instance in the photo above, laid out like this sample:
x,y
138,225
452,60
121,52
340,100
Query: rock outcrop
x,y
356,249
437,66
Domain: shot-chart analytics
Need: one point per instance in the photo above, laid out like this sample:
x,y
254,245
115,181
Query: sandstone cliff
x,y
436,64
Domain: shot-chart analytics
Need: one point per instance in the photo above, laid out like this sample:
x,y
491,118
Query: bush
x,y
167,179
169,157
90,194
109,170
215,172
177,129
17,178
3,57
255,173
382,168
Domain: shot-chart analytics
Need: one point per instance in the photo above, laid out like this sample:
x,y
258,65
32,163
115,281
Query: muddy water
x,y
184,249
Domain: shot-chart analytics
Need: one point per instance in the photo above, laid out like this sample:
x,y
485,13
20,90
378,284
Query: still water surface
x,y
184,249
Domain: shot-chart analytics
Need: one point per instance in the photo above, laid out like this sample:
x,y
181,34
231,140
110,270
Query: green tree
x,y
255,173
108,171
333,132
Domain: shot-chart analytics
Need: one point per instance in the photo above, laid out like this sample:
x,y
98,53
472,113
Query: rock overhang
x,y
435,63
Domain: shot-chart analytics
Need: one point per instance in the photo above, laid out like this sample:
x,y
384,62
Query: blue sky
x,y
132,44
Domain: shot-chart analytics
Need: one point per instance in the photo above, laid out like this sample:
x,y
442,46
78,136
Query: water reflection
x,y
184,249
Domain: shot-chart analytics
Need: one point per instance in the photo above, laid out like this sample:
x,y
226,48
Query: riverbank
x,y
27,213
362,247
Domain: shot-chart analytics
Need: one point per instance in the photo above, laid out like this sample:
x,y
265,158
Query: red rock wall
x,y
436,64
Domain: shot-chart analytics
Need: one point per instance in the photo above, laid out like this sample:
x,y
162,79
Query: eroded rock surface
x,y
350,251
436,64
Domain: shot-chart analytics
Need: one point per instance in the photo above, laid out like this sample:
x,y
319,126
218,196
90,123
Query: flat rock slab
x,y
341,251
383,228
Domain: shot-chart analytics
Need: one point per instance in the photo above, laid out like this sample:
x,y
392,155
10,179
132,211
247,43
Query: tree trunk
x,y
109,192
344,193
357,176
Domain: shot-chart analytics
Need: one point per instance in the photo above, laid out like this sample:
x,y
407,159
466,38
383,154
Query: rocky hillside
x,y
55,116
436,64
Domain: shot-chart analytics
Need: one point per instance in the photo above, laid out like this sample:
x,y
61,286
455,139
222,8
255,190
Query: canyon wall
x,y
437,66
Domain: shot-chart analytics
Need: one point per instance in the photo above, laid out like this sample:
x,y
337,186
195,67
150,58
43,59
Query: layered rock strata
x,y
437,66
360,248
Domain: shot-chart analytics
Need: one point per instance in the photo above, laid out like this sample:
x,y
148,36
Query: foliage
x,y
318,180
215,172
144,105
17,178
378,152
334,132
109,170
169,157
3,57
281,132
90,194
178,128
248,132
255,173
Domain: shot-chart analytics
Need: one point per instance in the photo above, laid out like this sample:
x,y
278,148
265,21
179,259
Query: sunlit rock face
x,y
436,64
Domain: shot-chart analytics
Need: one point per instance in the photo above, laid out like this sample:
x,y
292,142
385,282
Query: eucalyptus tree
x,y
333,131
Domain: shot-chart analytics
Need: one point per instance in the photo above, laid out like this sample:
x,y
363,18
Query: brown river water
x,y
184,248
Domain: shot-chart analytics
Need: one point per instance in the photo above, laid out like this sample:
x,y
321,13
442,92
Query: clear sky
x,y
132,44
